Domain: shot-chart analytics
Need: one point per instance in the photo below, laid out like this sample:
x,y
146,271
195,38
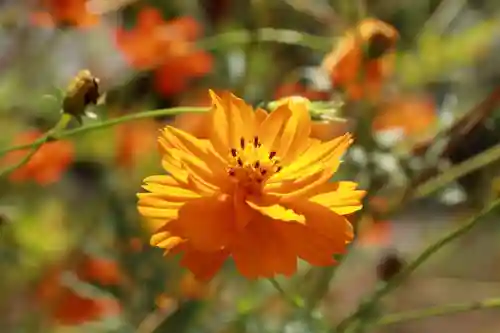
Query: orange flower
x,y
66,306
257,190
135,141
197,123
46,165
64,12
103,271
413,114
362,59
167,47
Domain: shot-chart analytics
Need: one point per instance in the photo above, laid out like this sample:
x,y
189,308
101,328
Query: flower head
x,y
362,59
166,47
256,190
46,165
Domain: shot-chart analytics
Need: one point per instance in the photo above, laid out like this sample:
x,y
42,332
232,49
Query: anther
x,y
256,165
272,154
263,172
234,152
278,169
242,143
256,141
231,172
240,162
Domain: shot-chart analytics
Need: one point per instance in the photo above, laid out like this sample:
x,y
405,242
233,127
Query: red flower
x,y
100,270
46,165
67,307
64,12
166,47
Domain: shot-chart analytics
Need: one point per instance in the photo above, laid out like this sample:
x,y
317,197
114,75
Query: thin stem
x,y
442,310
371,303
107,123
35,146
283,36
295,302
458,171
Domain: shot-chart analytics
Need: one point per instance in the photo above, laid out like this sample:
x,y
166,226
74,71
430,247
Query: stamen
x,y
263,172
231,172
256,165
272,154
240,162
278,169
256,142
234,152
242,143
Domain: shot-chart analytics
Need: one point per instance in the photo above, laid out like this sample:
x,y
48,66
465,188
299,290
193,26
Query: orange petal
x,y
204,265
324,221
273,254
205,223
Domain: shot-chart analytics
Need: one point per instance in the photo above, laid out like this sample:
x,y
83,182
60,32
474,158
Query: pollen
x,y
252,164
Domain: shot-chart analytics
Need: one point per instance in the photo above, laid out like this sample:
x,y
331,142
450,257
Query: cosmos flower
x,y
46,165
362,59
257,190
167,48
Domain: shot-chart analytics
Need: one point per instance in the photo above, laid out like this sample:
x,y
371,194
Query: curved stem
x,y
107,123
371,303
442,310
295,302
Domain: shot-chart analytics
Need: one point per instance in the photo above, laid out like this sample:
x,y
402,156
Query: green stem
x,y
35,146
458,171
294,301
371,303
283,36
443,310
105,124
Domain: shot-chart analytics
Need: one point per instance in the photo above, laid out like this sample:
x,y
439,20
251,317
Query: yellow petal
x,y
277,212
341,197
297,130
272,127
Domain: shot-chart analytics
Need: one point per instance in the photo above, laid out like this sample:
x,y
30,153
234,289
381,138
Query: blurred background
x,y
417,82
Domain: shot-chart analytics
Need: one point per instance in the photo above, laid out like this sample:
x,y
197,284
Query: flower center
x,y
251,165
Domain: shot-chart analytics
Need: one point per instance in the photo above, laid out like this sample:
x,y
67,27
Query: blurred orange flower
x,y
135,140
362,59
257,190
46,165
100,270
166,47
66,306
64,12
413,114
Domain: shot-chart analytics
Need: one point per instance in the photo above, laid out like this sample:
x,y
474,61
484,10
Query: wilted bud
x,y
390,265
82,92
